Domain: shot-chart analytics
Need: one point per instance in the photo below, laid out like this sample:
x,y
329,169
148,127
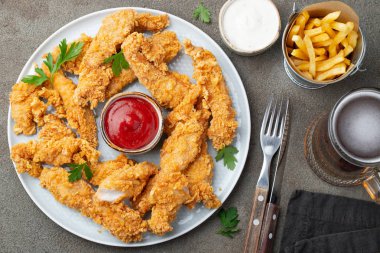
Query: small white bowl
x,y
236,49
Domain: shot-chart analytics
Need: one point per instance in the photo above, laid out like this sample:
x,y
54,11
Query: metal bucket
x,y
298,79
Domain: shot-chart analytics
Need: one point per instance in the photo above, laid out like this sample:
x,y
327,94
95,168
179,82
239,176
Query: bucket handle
x,y
294,12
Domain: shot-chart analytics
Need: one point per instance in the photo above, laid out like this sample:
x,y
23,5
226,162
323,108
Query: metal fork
x,y
272,130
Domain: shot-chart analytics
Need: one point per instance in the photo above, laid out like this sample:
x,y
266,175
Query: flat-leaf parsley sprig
x,y
66,54
118,63
202,13
76,171
228,156
229,220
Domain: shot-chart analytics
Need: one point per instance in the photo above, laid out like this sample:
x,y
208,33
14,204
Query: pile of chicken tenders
x,y
67,134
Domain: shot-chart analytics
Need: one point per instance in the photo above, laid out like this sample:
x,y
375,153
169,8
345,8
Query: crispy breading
x,y
208,73
73,66
123,222
28,109
54,129
199,174
126,183
161,48
80,118
102,170
95,76
57,146
149,22
169,88
168,194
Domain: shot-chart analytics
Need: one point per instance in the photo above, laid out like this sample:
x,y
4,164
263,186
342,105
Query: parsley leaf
x,y
36,80
118,63
76,171
228,156
229,220
202,13
64,56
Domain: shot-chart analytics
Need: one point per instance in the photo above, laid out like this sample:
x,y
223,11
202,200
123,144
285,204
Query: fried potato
x,y
314,32
299,54
336,70
320,47
293,31
331,17
352,38
320,38
311,54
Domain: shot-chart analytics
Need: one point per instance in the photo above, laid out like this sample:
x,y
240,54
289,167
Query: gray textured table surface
x,y
24,25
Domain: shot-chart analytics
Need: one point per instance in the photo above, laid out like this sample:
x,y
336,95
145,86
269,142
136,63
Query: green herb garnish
x,y
229,220
228,156
118,63
64,56
76,171
202,13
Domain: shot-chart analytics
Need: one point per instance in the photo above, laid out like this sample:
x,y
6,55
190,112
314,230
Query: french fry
x,y
327,29
332,50
323,43
341,27
299,54
320,46
314,22
319,51
338,69
293,31
352,38
313,32
320,58
331,17
348,50
311,54
307,74
301,20
329,63
321,37
344,43
297,61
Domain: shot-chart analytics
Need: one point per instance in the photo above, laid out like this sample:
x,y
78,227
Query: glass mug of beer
x,y
343,146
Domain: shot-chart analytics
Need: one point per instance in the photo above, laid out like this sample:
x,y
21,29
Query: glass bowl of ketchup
x,y
132,122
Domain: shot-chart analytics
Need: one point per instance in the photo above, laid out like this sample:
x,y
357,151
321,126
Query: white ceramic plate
x,y
224,179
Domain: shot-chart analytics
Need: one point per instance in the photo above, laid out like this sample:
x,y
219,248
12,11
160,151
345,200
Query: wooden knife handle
x,y
252,238
269,228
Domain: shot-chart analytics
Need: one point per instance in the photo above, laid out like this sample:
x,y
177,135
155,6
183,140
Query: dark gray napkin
x,y
321,223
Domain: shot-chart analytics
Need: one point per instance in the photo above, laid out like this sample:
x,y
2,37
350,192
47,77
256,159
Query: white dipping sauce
x,y
251,25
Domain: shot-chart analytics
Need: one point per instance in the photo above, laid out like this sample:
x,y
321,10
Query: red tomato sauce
x,y
131,122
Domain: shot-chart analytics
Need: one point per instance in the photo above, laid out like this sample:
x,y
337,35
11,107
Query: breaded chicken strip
x,y
94,75
161,48
27,108
126,183
152,23
80,118
29,156
199,174
54,129
73,66
169,88
170,190
102,170
208,73
56,146
123,222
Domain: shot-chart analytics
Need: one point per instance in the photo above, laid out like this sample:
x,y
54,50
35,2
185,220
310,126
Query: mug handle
x,y
372,185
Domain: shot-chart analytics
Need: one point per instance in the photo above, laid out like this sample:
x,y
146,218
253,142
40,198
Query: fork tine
x,y
266,115
283,119
273,113
276,124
